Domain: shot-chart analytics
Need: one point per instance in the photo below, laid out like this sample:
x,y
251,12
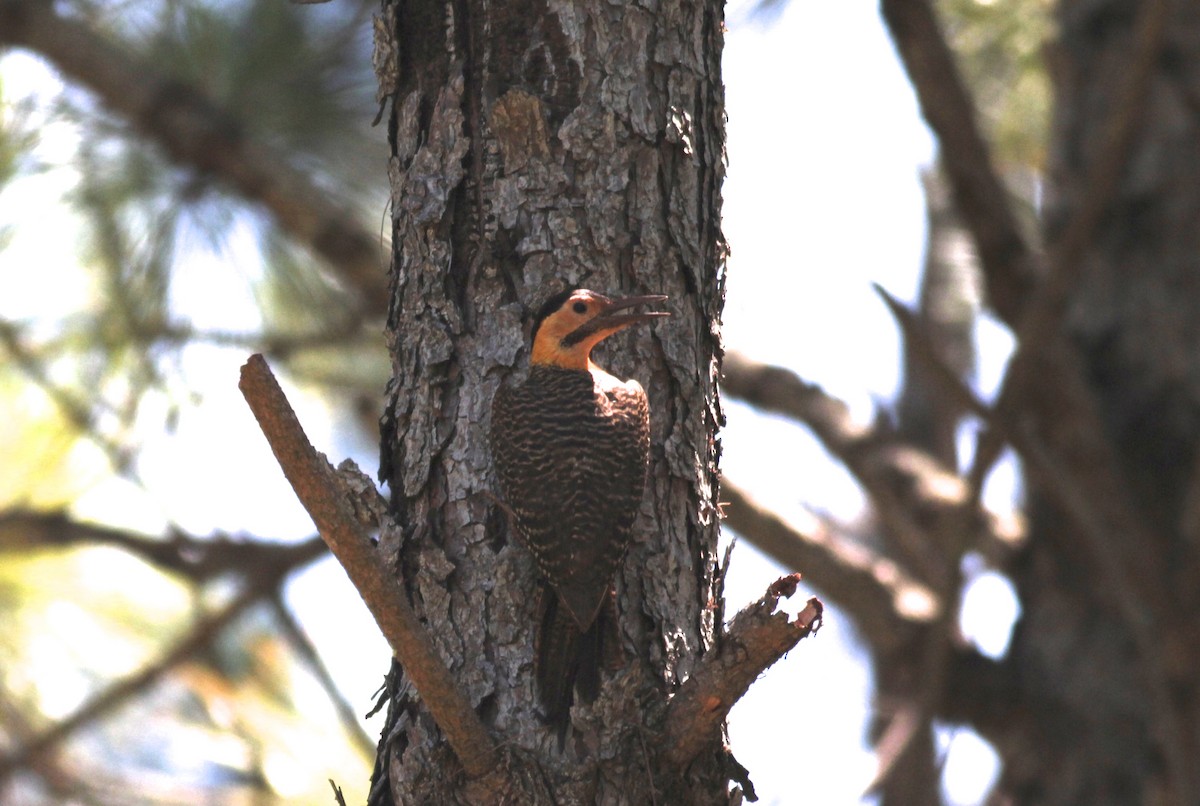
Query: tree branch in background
x,y
1041,320
909,680
63,783
916,337
320,491
901,743
949,299
295,635
981,692
197,559
1055,481
78,413
916,499
756,638
1009,264
262,584
885,602
1092,542
197,134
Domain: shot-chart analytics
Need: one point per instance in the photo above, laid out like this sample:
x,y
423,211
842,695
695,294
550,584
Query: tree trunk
x,y
929,419
1107,651
537,146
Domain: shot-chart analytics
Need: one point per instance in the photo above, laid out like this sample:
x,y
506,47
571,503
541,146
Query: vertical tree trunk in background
x,y
1106,702
949,305
928,419
539,145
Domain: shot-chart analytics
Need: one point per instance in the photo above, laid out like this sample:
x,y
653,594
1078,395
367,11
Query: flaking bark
x,y
535,146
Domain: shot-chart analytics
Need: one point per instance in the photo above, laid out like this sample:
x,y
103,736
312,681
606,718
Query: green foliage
x,y
999,44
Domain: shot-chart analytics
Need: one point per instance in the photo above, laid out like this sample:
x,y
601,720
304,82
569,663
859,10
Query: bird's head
x,y
572,322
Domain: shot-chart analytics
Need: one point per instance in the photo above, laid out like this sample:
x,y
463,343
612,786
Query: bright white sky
x,y
823,198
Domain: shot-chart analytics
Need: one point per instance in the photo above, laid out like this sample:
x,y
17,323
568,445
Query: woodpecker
x,y
571,448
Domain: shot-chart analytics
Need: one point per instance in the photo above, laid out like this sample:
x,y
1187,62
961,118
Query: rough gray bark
x,y
538,145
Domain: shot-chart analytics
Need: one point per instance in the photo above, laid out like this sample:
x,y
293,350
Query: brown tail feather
x,y
557,661
568,660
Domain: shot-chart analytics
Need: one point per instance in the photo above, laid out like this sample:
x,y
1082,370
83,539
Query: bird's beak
x,y
611,320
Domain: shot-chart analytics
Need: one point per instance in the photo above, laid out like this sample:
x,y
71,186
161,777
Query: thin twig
x,y
318,489
78,413
64,783
906,725
756,638
649,769
278,344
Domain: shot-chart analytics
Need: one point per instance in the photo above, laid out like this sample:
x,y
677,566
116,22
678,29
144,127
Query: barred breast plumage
x,y
571,448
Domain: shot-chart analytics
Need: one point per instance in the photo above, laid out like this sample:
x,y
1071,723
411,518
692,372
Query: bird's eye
x,y
579,307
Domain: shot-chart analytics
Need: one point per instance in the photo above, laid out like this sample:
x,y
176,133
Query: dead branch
x,y
910,679
1009,264
317,487
948,383
949,300
886,603
756,638
197,134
